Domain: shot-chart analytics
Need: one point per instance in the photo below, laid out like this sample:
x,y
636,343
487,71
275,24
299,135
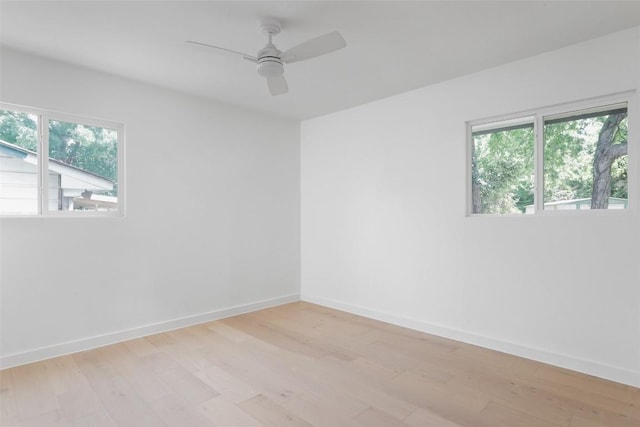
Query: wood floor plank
x,y
140,347
64,374
224,413
372,417
34,394
518,392
424,392
270,413
249,367
596,392
145,380
363,389
191,388
393,355
97,419
159,362
598,421
424,418
301,364
8,410
229,386
583,402
314,412
497,415
577,381
79,402
287,340
189,358
176,411
124,406
328,393
605,419
232,334
49,419
94,366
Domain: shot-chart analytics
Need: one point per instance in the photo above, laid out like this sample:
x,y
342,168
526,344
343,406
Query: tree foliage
x,y
19,128
502,171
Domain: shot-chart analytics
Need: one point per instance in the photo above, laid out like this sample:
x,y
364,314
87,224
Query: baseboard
x,y
589,367
89,343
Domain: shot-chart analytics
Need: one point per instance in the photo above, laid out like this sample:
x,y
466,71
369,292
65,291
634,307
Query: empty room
x,y
319,213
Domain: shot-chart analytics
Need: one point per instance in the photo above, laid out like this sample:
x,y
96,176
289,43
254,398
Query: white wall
x,y
384,231
212,225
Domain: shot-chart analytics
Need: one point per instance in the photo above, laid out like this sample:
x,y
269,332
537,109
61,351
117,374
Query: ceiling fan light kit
x,y
270,67
270,60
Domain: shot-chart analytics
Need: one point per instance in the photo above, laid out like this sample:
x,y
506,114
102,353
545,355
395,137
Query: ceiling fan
x,y
270,60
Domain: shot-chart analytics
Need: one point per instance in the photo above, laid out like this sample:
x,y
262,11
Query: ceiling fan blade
x,y
244,55
277,85
315,47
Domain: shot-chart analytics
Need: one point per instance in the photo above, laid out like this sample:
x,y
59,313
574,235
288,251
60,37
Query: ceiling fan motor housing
x,y
269,62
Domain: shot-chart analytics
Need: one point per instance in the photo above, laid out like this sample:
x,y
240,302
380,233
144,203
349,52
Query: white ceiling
x,y
393,46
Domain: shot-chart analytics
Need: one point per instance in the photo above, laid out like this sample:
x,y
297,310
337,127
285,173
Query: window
x,y
81,173
562,159
502,166
585,159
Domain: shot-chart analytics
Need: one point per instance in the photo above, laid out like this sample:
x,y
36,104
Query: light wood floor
x,y
306,365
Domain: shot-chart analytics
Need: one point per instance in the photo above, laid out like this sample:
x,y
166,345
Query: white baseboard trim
x,y
22,358
589,367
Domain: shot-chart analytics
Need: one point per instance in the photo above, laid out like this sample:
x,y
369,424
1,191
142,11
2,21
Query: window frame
x,y
539,115
43,118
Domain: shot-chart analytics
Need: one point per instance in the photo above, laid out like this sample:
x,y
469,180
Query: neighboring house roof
x,y
72,177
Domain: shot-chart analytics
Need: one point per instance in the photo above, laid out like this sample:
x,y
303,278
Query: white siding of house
x,y
54,190
18,186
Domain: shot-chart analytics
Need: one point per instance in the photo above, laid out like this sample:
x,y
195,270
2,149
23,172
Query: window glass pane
x,y
83,167
18,163
585,160
502,172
